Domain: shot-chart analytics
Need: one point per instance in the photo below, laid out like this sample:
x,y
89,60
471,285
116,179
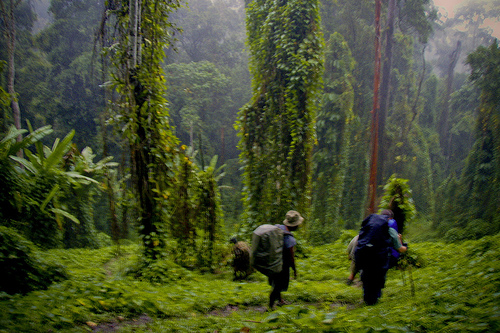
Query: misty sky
x,y
449,6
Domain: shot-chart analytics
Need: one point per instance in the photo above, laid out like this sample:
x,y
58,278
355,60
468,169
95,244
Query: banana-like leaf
x,y
52,193
59,150
12,134
56,142
38,145
34,160
73,174
31,138
64,213
27,164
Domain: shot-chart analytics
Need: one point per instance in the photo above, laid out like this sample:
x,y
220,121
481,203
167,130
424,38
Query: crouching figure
x,y
241,259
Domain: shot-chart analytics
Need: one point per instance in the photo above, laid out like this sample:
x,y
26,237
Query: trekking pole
x,y
406,265
412,285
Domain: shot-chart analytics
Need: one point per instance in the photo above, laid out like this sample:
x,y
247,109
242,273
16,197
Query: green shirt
x,y
396,243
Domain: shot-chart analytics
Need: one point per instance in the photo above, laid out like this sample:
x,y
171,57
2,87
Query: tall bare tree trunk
x,y
444,130
385,87
372,187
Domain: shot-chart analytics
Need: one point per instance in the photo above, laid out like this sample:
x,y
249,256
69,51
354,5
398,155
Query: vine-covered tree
x,y
277,126
333,127
143,33
480,199
414,17
11,12
471,203
398,198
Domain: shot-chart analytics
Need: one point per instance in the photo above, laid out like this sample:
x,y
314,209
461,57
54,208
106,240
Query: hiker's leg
x,y
375,281
370,290
273,297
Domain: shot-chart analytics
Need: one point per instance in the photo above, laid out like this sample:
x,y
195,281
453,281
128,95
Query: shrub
x,y
22,268
104,240
159,271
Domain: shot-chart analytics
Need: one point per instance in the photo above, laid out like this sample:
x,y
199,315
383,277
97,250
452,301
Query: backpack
x,y
373,240
267,249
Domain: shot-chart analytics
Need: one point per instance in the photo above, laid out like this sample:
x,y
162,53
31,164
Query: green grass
x,y
456,290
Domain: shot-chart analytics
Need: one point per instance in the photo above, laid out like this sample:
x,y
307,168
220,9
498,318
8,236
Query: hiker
x,y
241,259
350,255
279,281
394,256
372,253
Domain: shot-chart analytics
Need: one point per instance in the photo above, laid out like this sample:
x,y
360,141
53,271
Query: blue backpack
x,y
374,239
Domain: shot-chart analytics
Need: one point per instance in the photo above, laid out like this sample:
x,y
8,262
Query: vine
x,y
333,126
277,126
143,32
397,197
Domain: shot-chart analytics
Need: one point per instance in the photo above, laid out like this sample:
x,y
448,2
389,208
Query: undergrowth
x,y
456,289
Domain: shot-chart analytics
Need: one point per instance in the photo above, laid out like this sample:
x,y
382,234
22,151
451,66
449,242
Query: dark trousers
x,y
279,282
373,273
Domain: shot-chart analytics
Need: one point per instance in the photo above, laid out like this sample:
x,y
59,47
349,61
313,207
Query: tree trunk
x,y
444,135
10,36
385,87
372,187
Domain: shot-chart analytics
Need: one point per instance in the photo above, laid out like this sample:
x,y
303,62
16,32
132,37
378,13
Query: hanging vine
x,y
277,126
397,197
333,126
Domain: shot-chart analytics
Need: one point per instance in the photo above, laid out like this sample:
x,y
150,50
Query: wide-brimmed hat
x,y
292,219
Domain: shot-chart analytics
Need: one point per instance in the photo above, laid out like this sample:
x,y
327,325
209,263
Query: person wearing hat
x,y
281,280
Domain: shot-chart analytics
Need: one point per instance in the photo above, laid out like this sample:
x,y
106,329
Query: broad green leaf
x,y
58,211
49,197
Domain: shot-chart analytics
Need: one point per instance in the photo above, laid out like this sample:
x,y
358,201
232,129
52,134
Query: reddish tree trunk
x,y
372,187
385,87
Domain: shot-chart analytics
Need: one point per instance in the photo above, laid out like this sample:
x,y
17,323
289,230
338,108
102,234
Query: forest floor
x,y
456,288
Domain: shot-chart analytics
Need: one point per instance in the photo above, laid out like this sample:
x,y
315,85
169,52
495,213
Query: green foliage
x,y
10,178
23,268
475,196
398,198
277,126
160,272
200,105
58,76
418,16
4,103
408,152
53,187
333,130
211,31
456,289
209,218
46,180
197,224
141,113
80,197
28,195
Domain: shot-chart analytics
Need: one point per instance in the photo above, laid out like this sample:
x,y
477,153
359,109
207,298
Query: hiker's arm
x,y
292,261
396,240
403,247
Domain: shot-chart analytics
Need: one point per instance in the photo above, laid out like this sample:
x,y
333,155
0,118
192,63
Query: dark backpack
x,y
374,239
267,249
